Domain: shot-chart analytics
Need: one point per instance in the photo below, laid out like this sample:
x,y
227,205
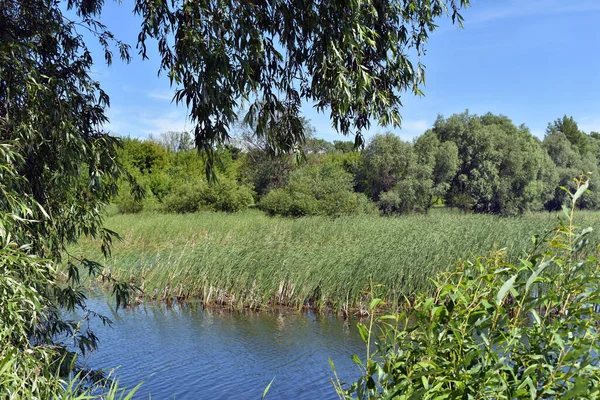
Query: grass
x,y
251,260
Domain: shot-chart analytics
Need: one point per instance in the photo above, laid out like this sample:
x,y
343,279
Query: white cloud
x,y
136,123
173,121
161,94
415,125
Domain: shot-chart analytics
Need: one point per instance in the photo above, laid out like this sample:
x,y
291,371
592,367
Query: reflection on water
x,y
188,352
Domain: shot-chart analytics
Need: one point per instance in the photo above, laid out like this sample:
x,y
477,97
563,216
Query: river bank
x,y
248,260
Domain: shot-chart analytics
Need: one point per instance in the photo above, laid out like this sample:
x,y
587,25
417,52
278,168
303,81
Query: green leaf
x,y
566,211
331,364
536,273
129,395
559,341
267,388
578,390
356,359
536,316
581,191
364,332
374,304
505,289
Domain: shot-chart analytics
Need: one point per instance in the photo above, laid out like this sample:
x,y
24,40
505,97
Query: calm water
x,y
193,353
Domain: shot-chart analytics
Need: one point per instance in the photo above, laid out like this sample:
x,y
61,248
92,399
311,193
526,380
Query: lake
x,y
190,352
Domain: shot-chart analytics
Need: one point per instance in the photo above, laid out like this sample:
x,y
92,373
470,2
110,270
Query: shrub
x,y
225,196
185,198
494,330
160,184
346,203
324,189
126,202
143,155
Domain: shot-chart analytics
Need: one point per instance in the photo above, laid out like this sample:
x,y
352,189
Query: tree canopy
x,y
352,58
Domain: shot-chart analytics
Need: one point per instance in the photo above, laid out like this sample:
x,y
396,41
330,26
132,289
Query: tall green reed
x,y
251,260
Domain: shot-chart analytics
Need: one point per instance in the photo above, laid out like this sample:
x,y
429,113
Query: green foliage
x,y
34,362
483,164
126,201
314,145
357,65
289,204
24,300
568,127
407,196
385,161
442,159
569,161
344,146
160,184
227,196
493,329
251,260
143,156
397,175
58,170
224,195
322,189
265,172
502,169
173,180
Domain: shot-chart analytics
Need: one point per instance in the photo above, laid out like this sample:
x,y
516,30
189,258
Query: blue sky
x,y
532,60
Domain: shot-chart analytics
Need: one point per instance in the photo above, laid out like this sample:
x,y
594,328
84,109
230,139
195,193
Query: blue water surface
x,y
190,352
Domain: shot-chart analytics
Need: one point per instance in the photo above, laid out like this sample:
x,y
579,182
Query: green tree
x,y
570,162
393,175
502,168
314,145
143,156
442,159
58,171
344,146
351,58
386,161
570,129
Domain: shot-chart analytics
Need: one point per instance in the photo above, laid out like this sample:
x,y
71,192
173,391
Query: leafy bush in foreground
x,y
494,330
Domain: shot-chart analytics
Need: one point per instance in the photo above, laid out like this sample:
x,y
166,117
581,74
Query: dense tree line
x,y
483,164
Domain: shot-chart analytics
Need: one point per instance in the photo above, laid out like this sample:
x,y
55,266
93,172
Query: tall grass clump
x,y
493,329
251,260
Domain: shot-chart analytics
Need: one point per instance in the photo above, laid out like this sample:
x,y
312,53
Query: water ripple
x,y
191,353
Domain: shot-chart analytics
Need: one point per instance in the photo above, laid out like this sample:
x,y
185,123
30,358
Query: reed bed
x,y
251,260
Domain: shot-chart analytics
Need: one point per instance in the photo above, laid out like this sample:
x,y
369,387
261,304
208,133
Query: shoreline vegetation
x,y
249,260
